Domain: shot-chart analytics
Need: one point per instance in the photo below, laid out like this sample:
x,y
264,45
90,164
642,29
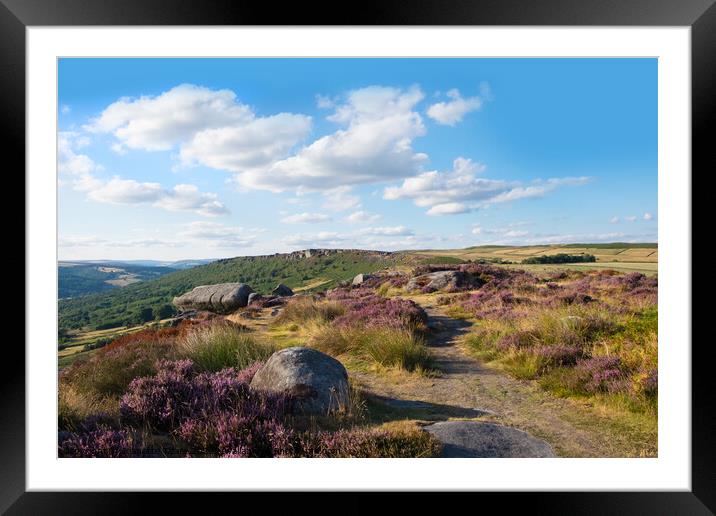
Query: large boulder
x,y
441,280
221,298
282,290
317,382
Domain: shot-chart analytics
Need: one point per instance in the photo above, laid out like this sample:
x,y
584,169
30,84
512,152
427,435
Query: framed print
x,y
427,249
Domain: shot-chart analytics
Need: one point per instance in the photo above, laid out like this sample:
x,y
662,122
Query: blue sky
x,y
208,158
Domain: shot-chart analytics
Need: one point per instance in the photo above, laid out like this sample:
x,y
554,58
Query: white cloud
x,y
614,220
358,217
82,170
250,146
182,197
461,190
339,199
453,111
386,231
160,122
306,218
323,238
326,102
185,197
375,146
65,109
630,219
220,235
449,208
126,191
79,167
648,216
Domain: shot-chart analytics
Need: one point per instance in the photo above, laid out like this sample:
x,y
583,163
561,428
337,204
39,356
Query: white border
x,y
670,471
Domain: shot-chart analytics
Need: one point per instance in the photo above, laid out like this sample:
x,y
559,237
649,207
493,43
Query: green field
x,y
639,257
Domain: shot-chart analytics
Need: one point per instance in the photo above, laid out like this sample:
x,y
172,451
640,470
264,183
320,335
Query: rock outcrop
x,y
222,298
317,382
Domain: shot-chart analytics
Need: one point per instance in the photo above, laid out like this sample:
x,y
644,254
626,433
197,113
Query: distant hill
x,y
81,278
314,269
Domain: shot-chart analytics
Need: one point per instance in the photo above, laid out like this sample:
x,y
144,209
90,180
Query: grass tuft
x,y
218,346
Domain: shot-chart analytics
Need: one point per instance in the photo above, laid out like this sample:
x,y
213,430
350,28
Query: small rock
x,y
361,278
282,290
254,297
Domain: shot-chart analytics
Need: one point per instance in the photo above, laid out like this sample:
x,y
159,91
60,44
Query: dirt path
x,y
467,389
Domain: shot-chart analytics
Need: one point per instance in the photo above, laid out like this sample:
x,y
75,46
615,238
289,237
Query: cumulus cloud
x,y
159,122
358,217
211,127
248,146
453,111
306,218
126,191
375,145
182,197
461,190
648,216
82,171
614,220
79,168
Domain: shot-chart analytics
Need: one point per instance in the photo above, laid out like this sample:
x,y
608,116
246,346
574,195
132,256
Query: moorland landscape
x,y
443,356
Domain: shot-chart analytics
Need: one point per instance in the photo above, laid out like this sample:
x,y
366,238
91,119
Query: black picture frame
x,y
700,15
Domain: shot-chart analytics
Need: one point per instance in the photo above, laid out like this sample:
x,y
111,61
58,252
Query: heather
x,y
364,307
385,332
216,414
579,334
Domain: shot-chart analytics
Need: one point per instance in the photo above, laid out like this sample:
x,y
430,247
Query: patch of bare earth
x,y
468,389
